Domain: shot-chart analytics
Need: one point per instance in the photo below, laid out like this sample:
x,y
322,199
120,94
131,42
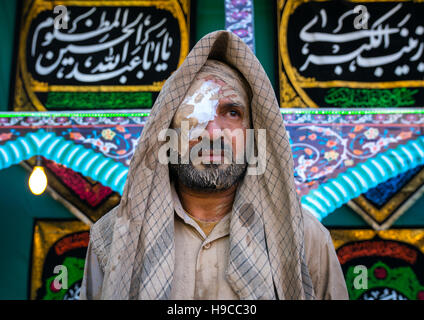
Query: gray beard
x,y
211,178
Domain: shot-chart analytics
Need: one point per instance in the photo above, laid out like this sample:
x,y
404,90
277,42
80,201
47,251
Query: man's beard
x,y
210,178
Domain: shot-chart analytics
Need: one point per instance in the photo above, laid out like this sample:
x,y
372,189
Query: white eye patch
x,y
204,109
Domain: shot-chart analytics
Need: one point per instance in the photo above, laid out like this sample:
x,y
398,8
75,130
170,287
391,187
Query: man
x,y
210,226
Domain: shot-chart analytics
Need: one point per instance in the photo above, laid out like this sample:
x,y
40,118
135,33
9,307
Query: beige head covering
x,y
266,231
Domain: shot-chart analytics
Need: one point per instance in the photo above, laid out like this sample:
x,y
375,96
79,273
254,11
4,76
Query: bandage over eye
x,y
214,81
205,102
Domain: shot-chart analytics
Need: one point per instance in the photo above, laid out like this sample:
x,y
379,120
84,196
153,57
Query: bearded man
x,y
212,224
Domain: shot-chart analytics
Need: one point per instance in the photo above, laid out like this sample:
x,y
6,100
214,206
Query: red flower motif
x,y
405,135
5,136
380,273
312,136
76,136
120,128
358,128
331,143
357,152
308,151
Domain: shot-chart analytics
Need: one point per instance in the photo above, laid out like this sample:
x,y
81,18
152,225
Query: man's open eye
x,y
234,113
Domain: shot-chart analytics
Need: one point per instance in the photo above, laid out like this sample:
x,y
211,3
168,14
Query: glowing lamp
x,y
37,180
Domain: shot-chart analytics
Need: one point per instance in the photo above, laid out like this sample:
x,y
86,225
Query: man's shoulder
x,y
313,228
321,258
105,223
102,231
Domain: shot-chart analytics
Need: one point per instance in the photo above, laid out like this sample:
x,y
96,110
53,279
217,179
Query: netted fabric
x,y
266,231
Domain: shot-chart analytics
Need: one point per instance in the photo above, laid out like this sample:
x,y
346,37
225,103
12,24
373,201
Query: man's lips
x,y
207,153
212,155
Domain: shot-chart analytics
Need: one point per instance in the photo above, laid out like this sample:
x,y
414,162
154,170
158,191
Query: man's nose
x,y
214,129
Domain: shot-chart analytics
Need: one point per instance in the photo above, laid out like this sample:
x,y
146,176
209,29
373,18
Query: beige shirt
x,y
200,261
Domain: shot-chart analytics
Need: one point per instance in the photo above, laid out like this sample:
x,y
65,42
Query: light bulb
x,y
37,180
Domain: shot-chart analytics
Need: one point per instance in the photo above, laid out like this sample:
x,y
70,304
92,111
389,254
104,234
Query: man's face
x,y
216,111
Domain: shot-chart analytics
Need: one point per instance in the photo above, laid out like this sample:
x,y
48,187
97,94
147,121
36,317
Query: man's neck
x,y
206,205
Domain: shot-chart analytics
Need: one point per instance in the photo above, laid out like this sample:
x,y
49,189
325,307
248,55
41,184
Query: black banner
x,y
351,54
80,55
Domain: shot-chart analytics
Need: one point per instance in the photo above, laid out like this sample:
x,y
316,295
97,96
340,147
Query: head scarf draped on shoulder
x,y
267,259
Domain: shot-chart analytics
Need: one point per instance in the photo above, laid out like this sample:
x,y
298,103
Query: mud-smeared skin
x,y
217,107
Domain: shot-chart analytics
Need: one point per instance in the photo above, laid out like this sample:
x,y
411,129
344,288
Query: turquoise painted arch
x,y
76,157
321,201
362,177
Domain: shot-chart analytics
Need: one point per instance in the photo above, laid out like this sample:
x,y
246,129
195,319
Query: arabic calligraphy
x,y
370,98
329,45
91,100
346,49
104,45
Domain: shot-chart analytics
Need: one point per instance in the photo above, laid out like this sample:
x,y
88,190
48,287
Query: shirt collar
x,y
222,228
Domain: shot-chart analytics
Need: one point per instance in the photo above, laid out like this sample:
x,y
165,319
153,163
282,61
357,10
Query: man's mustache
x,y
211,147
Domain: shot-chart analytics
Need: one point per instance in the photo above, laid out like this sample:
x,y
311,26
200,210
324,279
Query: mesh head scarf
x,y
266,257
